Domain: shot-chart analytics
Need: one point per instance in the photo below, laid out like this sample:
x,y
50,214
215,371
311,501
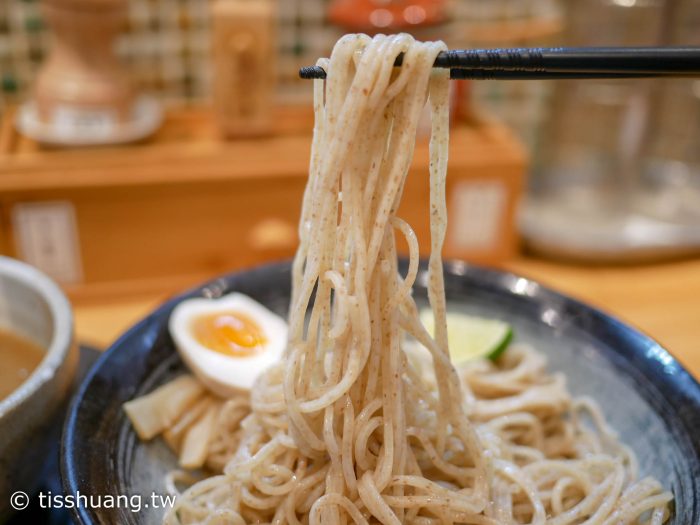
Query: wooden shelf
x,y
190,146
186,204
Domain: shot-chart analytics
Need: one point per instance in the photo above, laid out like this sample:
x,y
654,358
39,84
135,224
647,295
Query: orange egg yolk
x,y
230,333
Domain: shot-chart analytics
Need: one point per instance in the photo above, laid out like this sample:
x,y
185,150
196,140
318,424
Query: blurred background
x,y
167,44
146,145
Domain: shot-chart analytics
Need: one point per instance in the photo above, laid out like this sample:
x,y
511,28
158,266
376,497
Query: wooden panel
x,y
183,229
6,245
187,205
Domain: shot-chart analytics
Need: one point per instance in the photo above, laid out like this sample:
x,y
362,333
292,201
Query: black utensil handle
x,y
311,72
582,59
562,62
481,74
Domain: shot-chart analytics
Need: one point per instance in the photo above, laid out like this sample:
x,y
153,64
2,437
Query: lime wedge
x,y
471,337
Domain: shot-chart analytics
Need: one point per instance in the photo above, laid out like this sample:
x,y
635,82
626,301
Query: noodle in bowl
x,y
345,429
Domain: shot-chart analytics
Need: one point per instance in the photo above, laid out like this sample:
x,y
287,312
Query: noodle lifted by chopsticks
x,y
345,430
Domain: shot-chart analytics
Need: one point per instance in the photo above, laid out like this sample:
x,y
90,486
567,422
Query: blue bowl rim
x,y
678,386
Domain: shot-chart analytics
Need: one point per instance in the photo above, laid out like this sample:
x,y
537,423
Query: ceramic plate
x,y
645,393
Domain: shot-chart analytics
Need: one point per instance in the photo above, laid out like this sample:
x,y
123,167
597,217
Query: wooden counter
x,y
662,300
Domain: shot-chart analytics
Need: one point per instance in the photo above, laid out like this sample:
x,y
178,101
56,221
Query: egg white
x,y
227,375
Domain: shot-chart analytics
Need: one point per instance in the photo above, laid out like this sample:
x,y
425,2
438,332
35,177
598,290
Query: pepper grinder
x,y
83,95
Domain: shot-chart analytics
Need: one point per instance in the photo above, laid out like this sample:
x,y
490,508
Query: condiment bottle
x,y
244,66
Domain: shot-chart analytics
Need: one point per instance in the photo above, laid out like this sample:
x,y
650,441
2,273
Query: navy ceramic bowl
x,y
645,393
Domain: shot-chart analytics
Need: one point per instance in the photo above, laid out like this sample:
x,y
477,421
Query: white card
x,y
476,211
46,236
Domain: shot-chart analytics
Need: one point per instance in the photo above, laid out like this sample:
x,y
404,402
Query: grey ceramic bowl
x,y
645,394
33,306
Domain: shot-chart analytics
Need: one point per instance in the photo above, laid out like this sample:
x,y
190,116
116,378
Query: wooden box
x,y
186,205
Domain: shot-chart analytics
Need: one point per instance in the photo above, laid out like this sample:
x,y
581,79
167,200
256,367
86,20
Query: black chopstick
x,y
562,62
489,74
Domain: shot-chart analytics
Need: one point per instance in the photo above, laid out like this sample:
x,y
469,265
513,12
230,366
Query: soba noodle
x,y
345,429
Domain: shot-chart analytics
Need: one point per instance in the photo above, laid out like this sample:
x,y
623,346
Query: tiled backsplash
x,y
166,42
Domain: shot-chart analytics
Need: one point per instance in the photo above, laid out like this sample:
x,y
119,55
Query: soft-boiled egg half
x,y
227,342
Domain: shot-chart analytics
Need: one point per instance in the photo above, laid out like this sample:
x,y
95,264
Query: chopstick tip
x,y
309,72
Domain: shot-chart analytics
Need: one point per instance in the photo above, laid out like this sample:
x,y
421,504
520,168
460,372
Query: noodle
x,y
345,429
